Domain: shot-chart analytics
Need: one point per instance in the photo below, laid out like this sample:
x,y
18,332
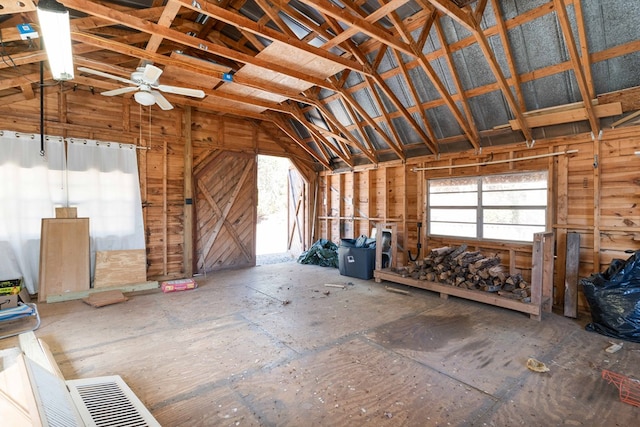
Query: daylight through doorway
x,y
271,232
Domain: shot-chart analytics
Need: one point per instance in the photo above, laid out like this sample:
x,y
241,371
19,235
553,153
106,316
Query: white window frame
x,y
478,210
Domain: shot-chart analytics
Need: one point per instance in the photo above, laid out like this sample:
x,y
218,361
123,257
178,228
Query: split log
x,y
459,250
443,251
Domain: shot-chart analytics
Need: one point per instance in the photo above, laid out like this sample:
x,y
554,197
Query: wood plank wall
x,y
600,203
80,114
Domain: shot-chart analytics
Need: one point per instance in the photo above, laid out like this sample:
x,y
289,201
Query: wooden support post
x,y
187,230
571,275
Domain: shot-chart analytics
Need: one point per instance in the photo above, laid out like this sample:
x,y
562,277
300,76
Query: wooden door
x,y
297,236
226,200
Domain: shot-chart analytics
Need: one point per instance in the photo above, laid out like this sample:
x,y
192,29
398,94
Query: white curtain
x,y
30,186
100,179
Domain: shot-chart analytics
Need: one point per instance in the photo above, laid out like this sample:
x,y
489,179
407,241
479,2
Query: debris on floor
x,y
397,291
323,253
536,365
100,299
629,388
614,347
331,285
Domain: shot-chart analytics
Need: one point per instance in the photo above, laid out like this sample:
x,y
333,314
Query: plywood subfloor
x,y
267,346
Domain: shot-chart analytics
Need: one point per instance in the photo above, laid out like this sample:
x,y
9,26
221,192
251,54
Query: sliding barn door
x,y
226,199
297,224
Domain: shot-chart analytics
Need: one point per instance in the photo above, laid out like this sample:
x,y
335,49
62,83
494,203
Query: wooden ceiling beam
x,y
288,130
166,19
467,20
362,113
444,47
273,14
503,84
362,25
502,31
319,138
416,101
239,21
203,68
479,10
563,18
204,45
32,78
456,13
584,48
398,147
347,135
29,57
286,146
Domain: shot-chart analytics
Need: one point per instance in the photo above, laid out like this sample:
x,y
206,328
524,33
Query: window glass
x,y
502,207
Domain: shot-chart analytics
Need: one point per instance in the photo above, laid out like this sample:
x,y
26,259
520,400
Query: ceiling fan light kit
x,y
144,82
144,98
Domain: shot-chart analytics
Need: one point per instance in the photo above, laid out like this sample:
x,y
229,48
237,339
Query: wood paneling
x,y
593,193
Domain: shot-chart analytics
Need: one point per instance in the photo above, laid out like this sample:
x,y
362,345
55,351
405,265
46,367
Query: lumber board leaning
x,y
64,256
134,287
121,267
572,262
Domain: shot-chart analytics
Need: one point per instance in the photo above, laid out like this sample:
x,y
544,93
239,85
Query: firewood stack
x,y
456,266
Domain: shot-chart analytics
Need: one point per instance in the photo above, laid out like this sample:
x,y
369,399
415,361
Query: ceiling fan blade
x,y
107,75
151,74
196,93
120,91
161,100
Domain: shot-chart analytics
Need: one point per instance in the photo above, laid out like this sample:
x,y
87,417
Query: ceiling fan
x,y
145,84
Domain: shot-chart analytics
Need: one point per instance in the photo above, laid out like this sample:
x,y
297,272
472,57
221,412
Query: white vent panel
x,y
109,402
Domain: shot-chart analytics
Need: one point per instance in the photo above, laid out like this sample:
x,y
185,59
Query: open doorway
x,y
271,231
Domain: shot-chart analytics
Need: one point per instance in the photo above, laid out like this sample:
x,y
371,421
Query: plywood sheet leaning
x,y
120,267
64,256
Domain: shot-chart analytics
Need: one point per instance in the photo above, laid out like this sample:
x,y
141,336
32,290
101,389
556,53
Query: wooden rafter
x,y
166,19
363,25
286,127
584,49
362,113
347,135
152,28
320,139
502,30
469,22
444,46
561,13
416,100
385,115
246,24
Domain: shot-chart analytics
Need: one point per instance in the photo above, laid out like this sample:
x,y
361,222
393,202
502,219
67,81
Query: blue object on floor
x,y
22,311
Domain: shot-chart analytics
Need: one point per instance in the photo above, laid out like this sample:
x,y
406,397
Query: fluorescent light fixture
x,y
54,25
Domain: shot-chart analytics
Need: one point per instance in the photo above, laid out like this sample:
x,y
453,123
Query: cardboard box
x,y
8,301
10,287
178,285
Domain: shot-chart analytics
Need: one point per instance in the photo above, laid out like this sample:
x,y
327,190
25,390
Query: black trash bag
x,y
614,299
323,253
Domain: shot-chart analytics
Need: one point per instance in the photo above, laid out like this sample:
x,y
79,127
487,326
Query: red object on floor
x,y
629,387
178,285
